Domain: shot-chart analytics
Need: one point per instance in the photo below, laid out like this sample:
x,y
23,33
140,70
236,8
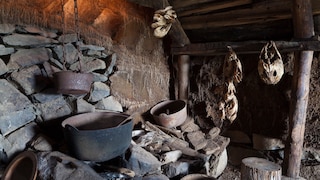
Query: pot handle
x,y
71,128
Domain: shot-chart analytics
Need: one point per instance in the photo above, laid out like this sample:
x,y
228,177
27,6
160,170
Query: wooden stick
x,y
303,28
183,76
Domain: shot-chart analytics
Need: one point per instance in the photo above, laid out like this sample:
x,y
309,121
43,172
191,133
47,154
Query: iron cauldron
x,y
98,136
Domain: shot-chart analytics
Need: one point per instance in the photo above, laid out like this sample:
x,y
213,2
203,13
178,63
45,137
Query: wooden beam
x,y
265,11
205,8
303,28
246,47
186,3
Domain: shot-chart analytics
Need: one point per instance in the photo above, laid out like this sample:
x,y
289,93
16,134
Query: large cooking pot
x,y
98,136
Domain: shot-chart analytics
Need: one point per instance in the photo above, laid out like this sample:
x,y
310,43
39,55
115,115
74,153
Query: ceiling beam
x,y
209,7
266,11
245,47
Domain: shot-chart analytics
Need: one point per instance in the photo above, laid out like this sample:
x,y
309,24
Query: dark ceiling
x,y
233,20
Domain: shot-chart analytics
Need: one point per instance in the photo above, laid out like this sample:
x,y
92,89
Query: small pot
x,y
98,136
69,82
170,113
22,167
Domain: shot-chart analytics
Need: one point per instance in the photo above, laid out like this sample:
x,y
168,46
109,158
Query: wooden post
x,y
183,77
303,28
253,168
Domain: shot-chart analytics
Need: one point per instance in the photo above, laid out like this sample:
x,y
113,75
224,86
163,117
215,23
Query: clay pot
x,y
22,167
98,136
170,113
68,82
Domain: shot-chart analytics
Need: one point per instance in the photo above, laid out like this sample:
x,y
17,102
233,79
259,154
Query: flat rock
x,y
5,50
71,53
27,40
56,165
142,161
16,109
29,78
189,125
28,57
98,92
17,141
109,103
54,107
40,31
197,139
112,64
7,28
89,66
3,67
83,106
68,38
91,47
177,168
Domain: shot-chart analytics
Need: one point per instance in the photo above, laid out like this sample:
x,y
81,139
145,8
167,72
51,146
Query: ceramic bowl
x,y
170,113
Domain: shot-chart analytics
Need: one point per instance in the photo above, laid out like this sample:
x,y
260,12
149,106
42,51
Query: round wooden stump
x,y
253,168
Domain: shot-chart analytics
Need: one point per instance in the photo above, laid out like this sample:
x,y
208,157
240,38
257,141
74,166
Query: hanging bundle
x,y
163,20
270,65
232,73
232,68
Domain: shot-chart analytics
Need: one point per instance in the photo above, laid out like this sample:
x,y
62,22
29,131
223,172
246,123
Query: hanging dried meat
x,y
270,65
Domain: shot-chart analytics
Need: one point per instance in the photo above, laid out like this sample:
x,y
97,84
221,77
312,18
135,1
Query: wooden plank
x,y
205,8
186,3
245,47
260,12
303,28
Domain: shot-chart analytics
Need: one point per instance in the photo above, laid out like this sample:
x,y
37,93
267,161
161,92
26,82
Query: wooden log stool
x,y
253,168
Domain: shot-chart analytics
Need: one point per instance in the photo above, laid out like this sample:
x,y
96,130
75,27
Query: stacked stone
x,y
29,57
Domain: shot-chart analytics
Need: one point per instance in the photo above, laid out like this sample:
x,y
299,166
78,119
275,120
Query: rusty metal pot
x,y
23,166
169,113
68,82
98,136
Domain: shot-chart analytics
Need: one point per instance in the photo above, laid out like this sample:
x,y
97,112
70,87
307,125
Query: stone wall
x,y
130,79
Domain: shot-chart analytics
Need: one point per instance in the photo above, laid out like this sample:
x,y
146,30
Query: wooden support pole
x,y
303,28
183,76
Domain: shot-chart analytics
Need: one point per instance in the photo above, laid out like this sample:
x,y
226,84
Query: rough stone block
x,y
28,57
5,51
142,161
99,91
109,103
29,78
7,28
3,67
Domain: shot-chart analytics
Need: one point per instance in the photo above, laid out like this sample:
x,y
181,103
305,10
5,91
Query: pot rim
x,y
158,106
75,121
10,170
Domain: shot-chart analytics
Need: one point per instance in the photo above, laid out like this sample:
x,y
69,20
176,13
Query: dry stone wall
x,y
29,56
